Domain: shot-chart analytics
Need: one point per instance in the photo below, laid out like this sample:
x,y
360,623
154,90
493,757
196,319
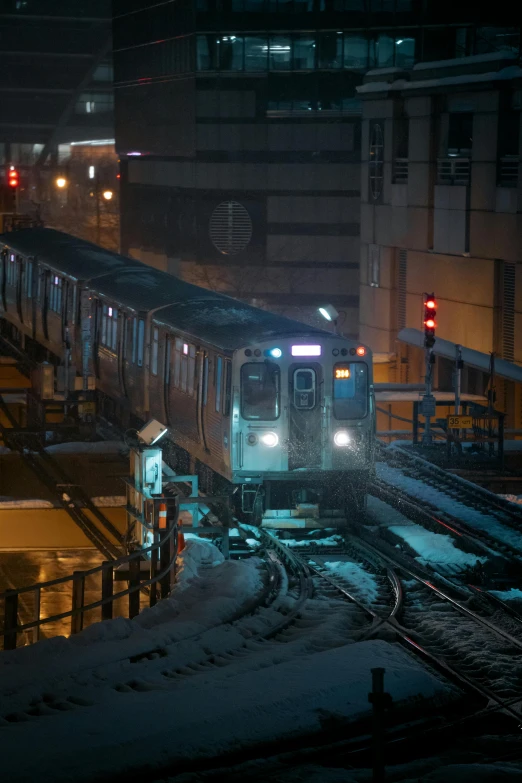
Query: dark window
x,y
141,336
280,53
217,382
355,51
55,294
134,339
29,279
497,39
304,52
228,388
205,52
260,385
230,53
460,133
350,390
405,52
205,380
330,50
376,160
155,350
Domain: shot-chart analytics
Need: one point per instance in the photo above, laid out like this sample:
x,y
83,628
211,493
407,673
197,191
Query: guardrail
x,y
453,171
508,171
160,573
400,171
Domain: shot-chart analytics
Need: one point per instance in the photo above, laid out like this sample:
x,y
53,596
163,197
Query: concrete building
x,y
238,128
441,212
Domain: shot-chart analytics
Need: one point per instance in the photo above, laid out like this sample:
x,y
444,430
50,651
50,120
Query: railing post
x,y
134,582
36,629
78,596
107,585
10,619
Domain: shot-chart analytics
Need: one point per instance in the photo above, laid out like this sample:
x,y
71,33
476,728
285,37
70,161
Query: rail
x,y
162,553
453,171
508,171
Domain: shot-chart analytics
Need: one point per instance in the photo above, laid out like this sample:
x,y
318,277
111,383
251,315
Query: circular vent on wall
x,y
230,228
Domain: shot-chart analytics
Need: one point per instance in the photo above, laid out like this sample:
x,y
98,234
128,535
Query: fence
x,y
160,574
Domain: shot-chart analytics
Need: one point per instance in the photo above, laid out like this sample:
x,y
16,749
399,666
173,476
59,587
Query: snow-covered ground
x,y
431,548
179,681
440,500
364,584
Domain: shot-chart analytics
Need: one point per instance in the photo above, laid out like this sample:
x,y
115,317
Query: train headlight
x,y
270,439
251,439
342,438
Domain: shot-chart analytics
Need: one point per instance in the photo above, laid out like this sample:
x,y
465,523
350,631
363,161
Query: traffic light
x,y
430,324
13,178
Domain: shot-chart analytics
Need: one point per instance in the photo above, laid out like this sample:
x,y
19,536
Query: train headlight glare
x,y
342,438
270,439
275,353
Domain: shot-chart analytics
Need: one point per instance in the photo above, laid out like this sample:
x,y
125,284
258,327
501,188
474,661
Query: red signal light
x,y
361,351
430,323
13,179
430,304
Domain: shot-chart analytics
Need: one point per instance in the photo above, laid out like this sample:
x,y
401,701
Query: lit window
x,y
92,172
55,294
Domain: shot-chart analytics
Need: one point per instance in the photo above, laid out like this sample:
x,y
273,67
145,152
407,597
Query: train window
x,y
178,345
217,382
191,386
134,338
109,334
155,350
205,380
350,390
260,391
28,279
228,388
55,294
166,368
304,388
141,334
11,270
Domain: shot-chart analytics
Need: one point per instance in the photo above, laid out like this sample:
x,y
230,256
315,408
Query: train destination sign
x,y
460,422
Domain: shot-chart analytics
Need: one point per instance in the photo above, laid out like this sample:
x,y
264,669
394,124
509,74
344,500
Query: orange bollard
x,y
162,516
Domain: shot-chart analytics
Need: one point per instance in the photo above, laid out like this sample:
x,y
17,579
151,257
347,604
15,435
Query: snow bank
x,y
434,547
364,584
508,595
208,715
329,541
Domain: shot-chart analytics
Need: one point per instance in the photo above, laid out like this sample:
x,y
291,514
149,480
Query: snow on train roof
x,y
212,317
75,257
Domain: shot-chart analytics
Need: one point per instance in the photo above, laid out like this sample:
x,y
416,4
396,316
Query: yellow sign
x,y
460,422
87,408
342,372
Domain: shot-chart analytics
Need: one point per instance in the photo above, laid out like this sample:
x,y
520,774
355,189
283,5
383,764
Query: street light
x,y
107,195
329,312
61,182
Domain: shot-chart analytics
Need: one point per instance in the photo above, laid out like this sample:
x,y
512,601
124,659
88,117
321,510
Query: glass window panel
x,y
104,325
29,279
497,39
205,380
191,386
177,362
280,53
404,52
304,52
384,50
184,372
228,388
230,52
351,393
219,373
355,51
330,50
256,53
205,50
260,384
141,334
155,349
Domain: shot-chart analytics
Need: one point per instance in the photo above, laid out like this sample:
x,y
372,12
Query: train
x,y
270,410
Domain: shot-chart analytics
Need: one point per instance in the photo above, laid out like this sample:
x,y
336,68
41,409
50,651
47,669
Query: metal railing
x,y
400,171
508,171
453,171
160,573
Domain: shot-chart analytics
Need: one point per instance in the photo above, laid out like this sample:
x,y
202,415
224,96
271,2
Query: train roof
x,y
74,257
205,315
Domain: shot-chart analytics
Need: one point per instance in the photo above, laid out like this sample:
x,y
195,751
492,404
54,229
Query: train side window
x,y
55,294
178,345
134,338
205,380
29,279
191,385
155,350
217,382
166,366
141,334
104,325
11,270
228,388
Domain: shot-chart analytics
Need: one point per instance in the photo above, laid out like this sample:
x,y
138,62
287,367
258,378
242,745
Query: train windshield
x,y
350,390
260,391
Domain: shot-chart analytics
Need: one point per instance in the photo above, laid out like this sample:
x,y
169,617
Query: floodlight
x,y
152,432
329,312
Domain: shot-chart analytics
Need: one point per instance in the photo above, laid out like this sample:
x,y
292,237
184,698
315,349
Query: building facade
x,y
238,125
441,211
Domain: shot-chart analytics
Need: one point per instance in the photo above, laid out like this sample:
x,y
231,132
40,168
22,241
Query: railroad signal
x,y
430,324
13,178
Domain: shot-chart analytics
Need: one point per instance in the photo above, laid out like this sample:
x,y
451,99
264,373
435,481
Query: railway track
x,y
445,503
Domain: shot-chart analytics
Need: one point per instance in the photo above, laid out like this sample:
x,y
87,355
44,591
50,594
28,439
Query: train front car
x,y
303,425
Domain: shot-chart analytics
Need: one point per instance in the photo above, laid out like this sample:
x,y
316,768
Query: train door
x,y
305,419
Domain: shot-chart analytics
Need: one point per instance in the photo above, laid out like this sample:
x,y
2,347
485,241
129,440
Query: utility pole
x,y
428,401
